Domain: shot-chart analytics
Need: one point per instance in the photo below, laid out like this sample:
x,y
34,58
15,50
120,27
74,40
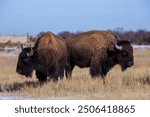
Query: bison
x,y
99,50
48,58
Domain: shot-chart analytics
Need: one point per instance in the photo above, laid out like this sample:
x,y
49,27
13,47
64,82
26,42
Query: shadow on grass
x,y
19,86
144,81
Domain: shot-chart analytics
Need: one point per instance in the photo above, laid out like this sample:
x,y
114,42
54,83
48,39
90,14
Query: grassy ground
x,y
134,83
5,39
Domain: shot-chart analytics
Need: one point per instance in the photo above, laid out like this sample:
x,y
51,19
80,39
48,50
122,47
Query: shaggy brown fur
x,y
49,58
50,49
90,49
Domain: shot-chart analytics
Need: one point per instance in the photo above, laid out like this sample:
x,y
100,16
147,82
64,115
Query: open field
x,y
134,83
13,39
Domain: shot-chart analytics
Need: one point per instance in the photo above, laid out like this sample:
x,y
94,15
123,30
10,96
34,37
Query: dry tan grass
x,y
4,39
134,83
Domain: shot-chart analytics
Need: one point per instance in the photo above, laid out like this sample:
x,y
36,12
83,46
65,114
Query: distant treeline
x,y
139,37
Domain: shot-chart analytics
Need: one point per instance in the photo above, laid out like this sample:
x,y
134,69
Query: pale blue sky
x,y
34,16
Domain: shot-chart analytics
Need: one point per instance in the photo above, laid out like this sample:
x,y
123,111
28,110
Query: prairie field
x,y
134,83
14,38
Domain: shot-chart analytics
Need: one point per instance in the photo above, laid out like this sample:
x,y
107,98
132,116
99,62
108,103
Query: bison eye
x,y
124,53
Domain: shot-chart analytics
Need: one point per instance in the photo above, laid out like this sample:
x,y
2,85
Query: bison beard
x,y
99,50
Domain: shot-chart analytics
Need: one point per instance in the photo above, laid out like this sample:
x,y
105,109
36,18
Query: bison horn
x,y
118,47
29,54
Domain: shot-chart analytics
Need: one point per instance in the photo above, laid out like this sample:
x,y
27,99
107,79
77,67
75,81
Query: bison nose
x,y
130,63
18,70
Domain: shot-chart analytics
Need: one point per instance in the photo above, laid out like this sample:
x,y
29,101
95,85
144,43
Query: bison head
x,y
25,63
122,54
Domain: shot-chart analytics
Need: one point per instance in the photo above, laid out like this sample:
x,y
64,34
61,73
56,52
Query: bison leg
x,y
95,70
61,70
54,76
41,77
96,67
61,75
68,71
105,69
57,72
